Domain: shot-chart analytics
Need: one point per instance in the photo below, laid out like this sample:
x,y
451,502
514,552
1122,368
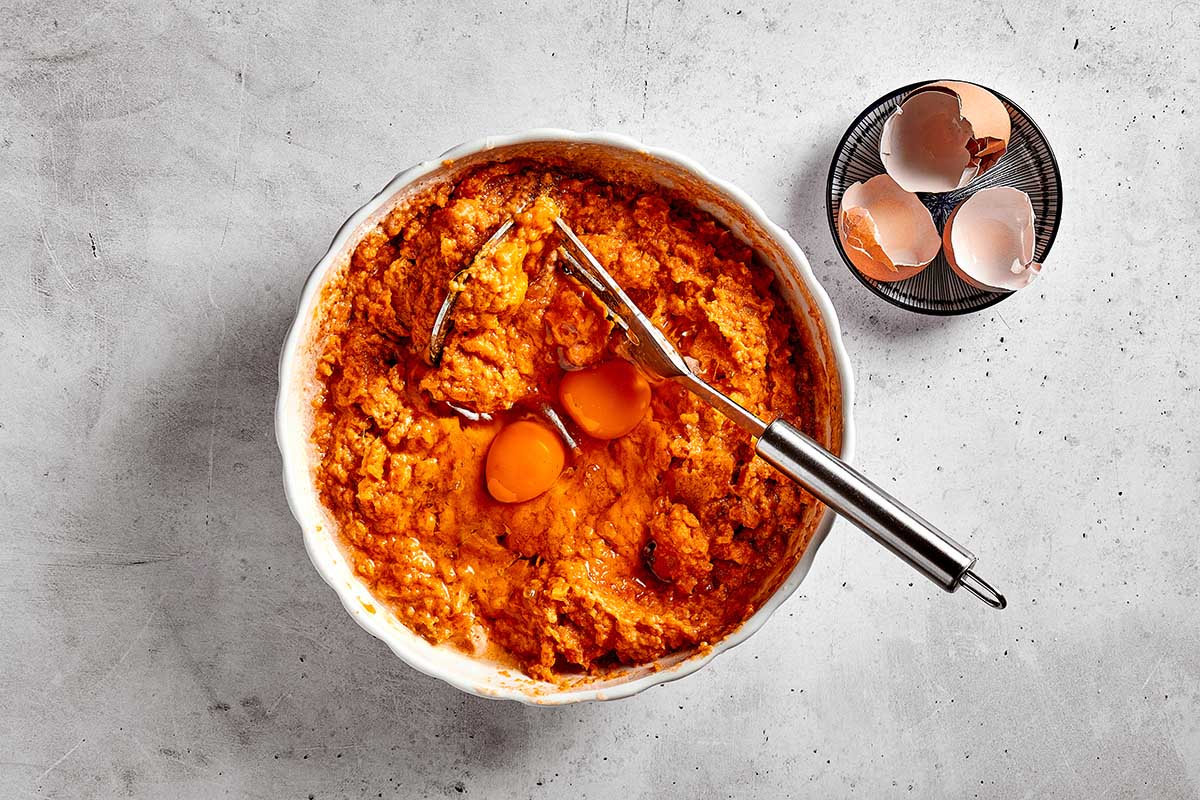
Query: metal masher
x,y
831,480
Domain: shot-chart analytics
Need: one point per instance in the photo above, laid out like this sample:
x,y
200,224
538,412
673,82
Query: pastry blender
x,y
835,483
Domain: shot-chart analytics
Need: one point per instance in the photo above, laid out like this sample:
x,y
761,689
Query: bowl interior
x,y
617,161
1028,165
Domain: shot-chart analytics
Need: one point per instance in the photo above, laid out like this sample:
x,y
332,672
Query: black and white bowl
x,y
1028,165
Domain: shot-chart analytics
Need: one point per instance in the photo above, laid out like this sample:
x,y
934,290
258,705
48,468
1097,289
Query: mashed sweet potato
x,y
664,539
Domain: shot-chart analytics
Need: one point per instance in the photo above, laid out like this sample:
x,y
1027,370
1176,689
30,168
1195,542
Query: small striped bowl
x,y
1029,165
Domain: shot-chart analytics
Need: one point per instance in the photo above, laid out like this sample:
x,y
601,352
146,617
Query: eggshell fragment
x,y
887,232
989,240
943,136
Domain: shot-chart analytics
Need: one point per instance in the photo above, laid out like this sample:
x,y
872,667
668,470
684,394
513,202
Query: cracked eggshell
x,y
989,240
943,136
887,233
991,127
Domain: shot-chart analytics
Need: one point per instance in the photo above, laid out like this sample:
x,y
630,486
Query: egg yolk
x,y
524,460
607,400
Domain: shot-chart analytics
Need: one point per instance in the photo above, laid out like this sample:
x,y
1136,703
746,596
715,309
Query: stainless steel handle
x,y
848,493
897,527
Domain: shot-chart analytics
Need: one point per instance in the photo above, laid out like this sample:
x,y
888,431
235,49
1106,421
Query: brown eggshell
x,y
991,127
887,233
989,240
944,135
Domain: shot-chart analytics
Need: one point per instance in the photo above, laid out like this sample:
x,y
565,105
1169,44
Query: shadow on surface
x,y
861,312
246,644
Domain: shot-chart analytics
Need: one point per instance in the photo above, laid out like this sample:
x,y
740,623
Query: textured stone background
x,y
170,172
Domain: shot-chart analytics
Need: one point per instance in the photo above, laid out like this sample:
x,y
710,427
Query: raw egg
x,y
607,400
524,460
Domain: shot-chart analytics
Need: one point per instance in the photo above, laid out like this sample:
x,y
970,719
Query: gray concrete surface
x,y
168,174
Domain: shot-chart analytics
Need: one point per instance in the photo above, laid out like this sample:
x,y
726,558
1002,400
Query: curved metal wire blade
x,y
443,322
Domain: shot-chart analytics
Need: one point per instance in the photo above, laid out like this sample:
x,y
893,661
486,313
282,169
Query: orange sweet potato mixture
x,y
666,538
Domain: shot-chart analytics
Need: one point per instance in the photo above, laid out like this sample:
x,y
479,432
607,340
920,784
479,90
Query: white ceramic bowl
x,y
608,155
